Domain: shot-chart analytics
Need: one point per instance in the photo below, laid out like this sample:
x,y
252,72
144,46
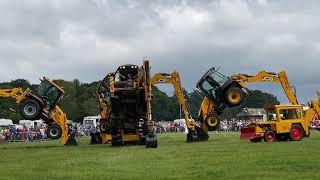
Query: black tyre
x,y
151,141
30,109
296,133
104,126
54,131
212,122
234,96
269,136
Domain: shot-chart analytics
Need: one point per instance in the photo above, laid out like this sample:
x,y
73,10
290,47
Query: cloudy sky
x,y
86,39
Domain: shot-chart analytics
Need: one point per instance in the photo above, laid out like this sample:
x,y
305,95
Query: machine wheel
x,y
54,131
269,136
212,122
296,133
104,126
30,109
234,96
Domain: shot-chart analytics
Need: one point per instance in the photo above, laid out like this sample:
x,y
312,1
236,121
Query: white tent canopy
x,y
6,122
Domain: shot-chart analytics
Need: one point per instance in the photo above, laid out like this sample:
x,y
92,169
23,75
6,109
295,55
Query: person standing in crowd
x,y
42,133
1,135
8,134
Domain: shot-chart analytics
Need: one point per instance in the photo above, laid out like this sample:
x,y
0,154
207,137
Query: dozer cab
x,y
284,122
43,104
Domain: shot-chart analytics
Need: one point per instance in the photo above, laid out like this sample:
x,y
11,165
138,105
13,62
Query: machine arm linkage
x,y
174,79
264,76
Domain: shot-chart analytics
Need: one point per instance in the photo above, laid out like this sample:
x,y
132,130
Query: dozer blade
x,y
247,133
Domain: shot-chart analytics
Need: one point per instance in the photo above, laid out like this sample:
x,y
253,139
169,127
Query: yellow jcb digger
x,y
44,104
220,92
125,106
283,122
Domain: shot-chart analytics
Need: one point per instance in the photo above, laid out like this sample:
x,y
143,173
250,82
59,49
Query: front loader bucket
x,y
248,133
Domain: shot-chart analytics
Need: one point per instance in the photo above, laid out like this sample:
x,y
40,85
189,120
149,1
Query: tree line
x,y
79,101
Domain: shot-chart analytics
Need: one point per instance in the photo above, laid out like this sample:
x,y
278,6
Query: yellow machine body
x,y
53,113
285,122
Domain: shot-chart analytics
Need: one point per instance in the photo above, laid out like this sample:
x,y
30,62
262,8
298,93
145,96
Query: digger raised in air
x,y
43,104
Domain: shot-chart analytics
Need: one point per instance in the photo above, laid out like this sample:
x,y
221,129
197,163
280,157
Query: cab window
x,y
290,114
208,88
271,114
219,78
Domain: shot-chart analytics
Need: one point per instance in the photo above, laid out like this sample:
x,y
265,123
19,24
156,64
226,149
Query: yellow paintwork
x,y
130,137
280,126
56,114
206,108
234,96
141,82
106,138
264,76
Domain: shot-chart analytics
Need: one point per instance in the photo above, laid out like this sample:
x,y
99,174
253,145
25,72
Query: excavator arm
x,y
174,79
195,133
263,76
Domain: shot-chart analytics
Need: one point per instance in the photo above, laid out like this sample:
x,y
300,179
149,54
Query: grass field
x,y
224,156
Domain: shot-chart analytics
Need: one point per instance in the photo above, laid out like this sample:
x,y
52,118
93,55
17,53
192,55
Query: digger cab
x,y
281,113
46,97
127,72
51,93
220,89
283,121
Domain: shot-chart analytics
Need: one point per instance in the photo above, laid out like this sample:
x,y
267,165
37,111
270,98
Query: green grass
x,y
224,156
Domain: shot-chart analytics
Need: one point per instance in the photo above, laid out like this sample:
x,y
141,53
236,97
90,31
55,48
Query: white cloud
x,y
87,39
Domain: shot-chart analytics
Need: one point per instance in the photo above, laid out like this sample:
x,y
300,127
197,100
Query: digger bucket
x,y
248,133
71,141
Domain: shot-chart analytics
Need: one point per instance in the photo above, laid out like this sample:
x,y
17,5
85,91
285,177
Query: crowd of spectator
x,y
169,126
225,125
24,134
234,125
12,133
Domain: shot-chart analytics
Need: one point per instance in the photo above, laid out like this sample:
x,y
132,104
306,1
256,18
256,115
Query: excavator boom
x,y
195,132
263,76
